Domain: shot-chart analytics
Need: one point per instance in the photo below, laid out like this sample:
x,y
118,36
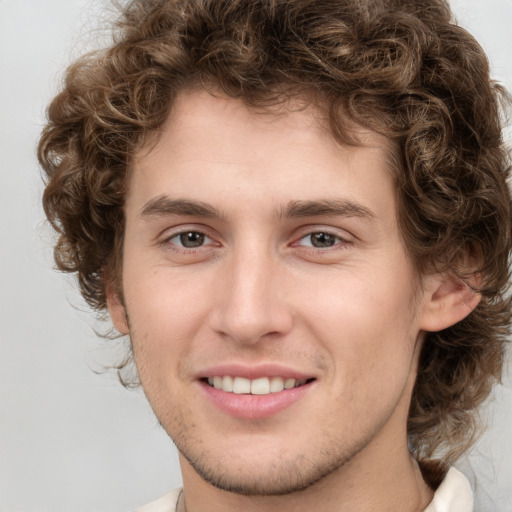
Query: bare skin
x,y
256,246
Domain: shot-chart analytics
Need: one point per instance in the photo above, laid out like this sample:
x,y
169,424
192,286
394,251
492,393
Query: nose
x,y
251,305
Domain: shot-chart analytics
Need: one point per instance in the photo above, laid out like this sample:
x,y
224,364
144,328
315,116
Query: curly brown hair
x,y
402,68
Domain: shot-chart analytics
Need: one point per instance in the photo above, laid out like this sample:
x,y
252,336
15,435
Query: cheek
x,y
168,302
165,313
367,326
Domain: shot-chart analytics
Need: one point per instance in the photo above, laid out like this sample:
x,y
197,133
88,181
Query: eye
x,y
190,239
320,240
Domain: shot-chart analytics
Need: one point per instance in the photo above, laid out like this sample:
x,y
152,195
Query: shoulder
x,y
166,503
453,494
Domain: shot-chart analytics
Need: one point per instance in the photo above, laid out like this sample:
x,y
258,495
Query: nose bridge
x,y
251,305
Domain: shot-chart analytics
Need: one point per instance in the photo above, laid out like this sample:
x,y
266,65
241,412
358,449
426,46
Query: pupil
x,y
192,239
322,240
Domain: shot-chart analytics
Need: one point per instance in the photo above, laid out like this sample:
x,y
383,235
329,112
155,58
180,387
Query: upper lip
x,y
254,371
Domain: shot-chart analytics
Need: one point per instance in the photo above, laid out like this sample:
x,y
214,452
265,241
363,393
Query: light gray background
x,y
72,440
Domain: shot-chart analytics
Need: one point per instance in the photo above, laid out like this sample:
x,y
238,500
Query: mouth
x,y
259,386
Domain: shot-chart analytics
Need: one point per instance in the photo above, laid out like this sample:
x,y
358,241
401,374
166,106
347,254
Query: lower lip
x,y
254,406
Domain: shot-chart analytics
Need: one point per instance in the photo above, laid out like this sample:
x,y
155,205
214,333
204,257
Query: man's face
x,y
259,252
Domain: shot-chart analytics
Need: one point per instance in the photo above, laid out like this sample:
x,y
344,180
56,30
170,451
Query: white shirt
x,y
453,495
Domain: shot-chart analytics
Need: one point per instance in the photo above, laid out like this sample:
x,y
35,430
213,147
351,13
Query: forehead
x,y
303,116
212,146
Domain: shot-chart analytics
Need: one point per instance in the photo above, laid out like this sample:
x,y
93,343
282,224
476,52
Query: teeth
x,y
276,384
227,383
289,383
241,385
261,386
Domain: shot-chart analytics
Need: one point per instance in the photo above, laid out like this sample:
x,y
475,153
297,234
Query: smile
x,y
260,386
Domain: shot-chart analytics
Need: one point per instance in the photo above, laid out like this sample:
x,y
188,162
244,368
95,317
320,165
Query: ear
x,y
117,310
447,300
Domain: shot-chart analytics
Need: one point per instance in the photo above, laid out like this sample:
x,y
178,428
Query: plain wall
x,y
71,439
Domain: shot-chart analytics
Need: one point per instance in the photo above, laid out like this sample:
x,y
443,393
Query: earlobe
x,y
117,310
447,300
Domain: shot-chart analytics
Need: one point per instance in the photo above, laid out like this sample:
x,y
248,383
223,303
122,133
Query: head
x,y
391,74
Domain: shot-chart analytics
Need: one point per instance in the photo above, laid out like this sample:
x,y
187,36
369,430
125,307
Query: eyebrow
x,y
164,205
328,207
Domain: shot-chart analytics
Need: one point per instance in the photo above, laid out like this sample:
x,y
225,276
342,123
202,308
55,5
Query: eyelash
x,y
340,242
181,248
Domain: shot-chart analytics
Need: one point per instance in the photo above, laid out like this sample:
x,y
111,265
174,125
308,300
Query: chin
x,y
284,474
